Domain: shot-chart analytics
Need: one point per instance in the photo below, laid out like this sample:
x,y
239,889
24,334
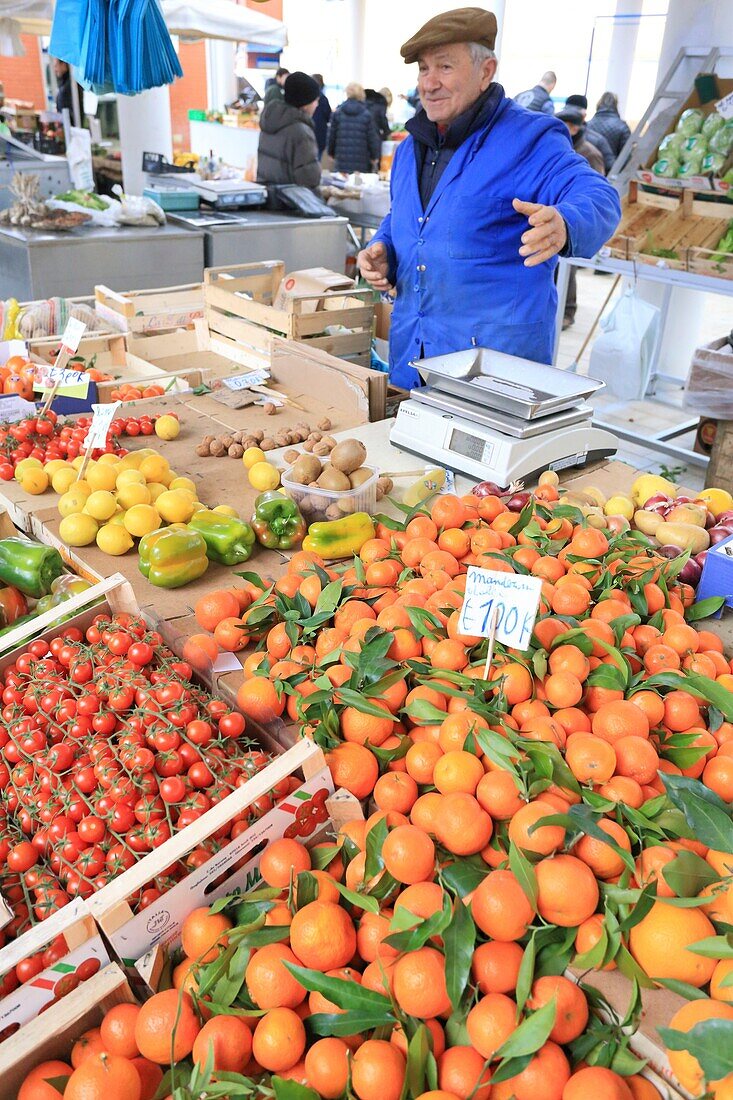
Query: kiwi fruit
x,y
305,469
334,480
348,455
358,477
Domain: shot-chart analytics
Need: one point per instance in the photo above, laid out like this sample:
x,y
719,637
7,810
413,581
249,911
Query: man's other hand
x,y
547,236
374,266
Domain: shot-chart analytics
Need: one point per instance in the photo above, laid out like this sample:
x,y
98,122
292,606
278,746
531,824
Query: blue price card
x,y
509,598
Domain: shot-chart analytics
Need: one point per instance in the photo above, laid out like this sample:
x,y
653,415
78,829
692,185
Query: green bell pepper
x,y
28,566
173,556
229,540
277,522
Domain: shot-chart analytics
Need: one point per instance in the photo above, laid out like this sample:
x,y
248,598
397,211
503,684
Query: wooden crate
x,y
53,1033
243,322
141,311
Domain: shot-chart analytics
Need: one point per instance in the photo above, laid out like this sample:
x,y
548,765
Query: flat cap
x,y
459,25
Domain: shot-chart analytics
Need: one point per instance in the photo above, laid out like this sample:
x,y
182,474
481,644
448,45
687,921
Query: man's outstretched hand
x,y
373,264
547,235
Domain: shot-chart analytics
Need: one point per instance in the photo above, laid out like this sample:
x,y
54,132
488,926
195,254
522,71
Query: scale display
x,y
470,446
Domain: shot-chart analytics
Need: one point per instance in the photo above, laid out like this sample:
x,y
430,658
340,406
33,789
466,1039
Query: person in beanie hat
x,y
288,150
485,195
579,104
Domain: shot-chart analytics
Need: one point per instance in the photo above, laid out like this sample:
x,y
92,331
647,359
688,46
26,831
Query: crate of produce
x,y
48,317
677,240
140,311
52,1035
46,964
243,321
302,782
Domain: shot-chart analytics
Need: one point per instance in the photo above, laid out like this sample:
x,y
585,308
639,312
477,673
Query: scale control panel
x,y
471,446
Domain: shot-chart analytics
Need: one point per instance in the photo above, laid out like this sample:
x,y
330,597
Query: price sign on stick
x,y
500,605
98,430
73,333
724,106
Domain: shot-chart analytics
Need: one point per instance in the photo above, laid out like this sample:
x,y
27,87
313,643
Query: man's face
x,y
449,82
572,127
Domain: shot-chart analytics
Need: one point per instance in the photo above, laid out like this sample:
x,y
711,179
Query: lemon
x,y
167,427
198,507
141,519
78,462
175,506
118,519
130,495
101,478
72,502
27,464
717,500
154,467
168,477
63,479
253,455
34,481
108,460
619,505
131,461
129,477
84,487
78,529
263,476
226,510
114,539
101,505
54,466
155,488
184,483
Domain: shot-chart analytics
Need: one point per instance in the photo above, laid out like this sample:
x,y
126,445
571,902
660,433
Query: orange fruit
x,y
546,1076
590,759
621,718
395,791
150,1077
117,1030
282,859
588,934
660,942
685,1066
228,1040
495,966
719,991
35,1085
490,1023
270,983
327,1067
436,1033
361,728
102,1076
154,1029
642,1088
420,761
200,650
259,700
567,891
563,689
598,1082
602,859
650,868
422,900
457,771
497,792
500,907
419,983
636,758
279,1040
409,854
354,768
572,1008
461,1071
681,710
88,1043
378,1071
544,838
214,607
202,934
323,936
370,935
462,826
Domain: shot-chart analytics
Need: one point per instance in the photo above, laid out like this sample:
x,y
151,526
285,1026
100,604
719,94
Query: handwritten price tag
x,y
66,383
724,106
99,428
13,408
513,599
246,381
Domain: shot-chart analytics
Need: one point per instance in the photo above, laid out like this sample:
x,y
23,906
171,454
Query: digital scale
x,y
236,194
496,417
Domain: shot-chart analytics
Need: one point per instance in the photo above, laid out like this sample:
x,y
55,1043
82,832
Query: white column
x,y
221,81
499,9
359,35
623,47
145,125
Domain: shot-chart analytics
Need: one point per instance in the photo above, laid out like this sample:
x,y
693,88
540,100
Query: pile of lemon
x,y
120,499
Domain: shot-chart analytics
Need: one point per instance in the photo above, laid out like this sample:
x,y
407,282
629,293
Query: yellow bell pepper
x,y
339,538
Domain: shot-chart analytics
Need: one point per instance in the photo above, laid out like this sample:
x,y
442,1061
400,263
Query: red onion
x,y
617,524
487,489
710,521
656,500
685,500
690,573
518,501
725,518
719,532
700,558
669,551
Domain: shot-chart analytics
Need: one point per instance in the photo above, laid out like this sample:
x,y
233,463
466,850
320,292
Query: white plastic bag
x,y
138,209
621,355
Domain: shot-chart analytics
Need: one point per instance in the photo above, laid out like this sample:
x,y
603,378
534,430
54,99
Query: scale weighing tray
x,y
225,194
519,387
502,422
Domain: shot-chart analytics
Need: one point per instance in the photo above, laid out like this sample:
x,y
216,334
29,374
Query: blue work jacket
x,y
460,279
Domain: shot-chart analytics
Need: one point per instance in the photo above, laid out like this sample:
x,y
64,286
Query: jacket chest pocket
x,y
474,227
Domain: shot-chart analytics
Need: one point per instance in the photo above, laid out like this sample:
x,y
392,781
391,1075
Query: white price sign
x,y
246,381
67,383
512,599
724,106
103,417
73,333
13,408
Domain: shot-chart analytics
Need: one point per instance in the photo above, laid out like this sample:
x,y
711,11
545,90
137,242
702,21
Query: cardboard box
x,y
314,284
235,866
52,1034
143,311
709,386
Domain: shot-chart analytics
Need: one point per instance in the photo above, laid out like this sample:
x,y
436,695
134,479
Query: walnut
x,y
316,437
207,440
308,446
321,449
237,436
236,450
329,440
269,409
268,445
386,484
334,511
249,441
203,450
325,424
217,448
227,441
258,435
291,456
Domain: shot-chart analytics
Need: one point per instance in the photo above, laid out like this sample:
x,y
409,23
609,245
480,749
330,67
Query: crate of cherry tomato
x,y
220,853
109,747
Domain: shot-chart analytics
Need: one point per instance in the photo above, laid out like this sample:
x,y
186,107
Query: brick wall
x,y
21,76
190,92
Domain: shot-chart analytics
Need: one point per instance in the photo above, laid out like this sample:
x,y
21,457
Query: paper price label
x,y
68,383
99,428
724,106
13,408
73,333
513,598
245,381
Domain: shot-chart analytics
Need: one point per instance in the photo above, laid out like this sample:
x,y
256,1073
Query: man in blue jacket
x,y
485,195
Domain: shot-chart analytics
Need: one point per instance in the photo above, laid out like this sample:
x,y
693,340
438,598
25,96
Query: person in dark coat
x,y
274,89
353,138
580,103
288,150
322,116
377,103
539,97
573,119
607,122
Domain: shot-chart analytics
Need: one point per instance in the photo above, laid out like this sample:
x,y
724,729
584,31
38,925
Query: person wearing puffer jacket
x,y
288,150
353,138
